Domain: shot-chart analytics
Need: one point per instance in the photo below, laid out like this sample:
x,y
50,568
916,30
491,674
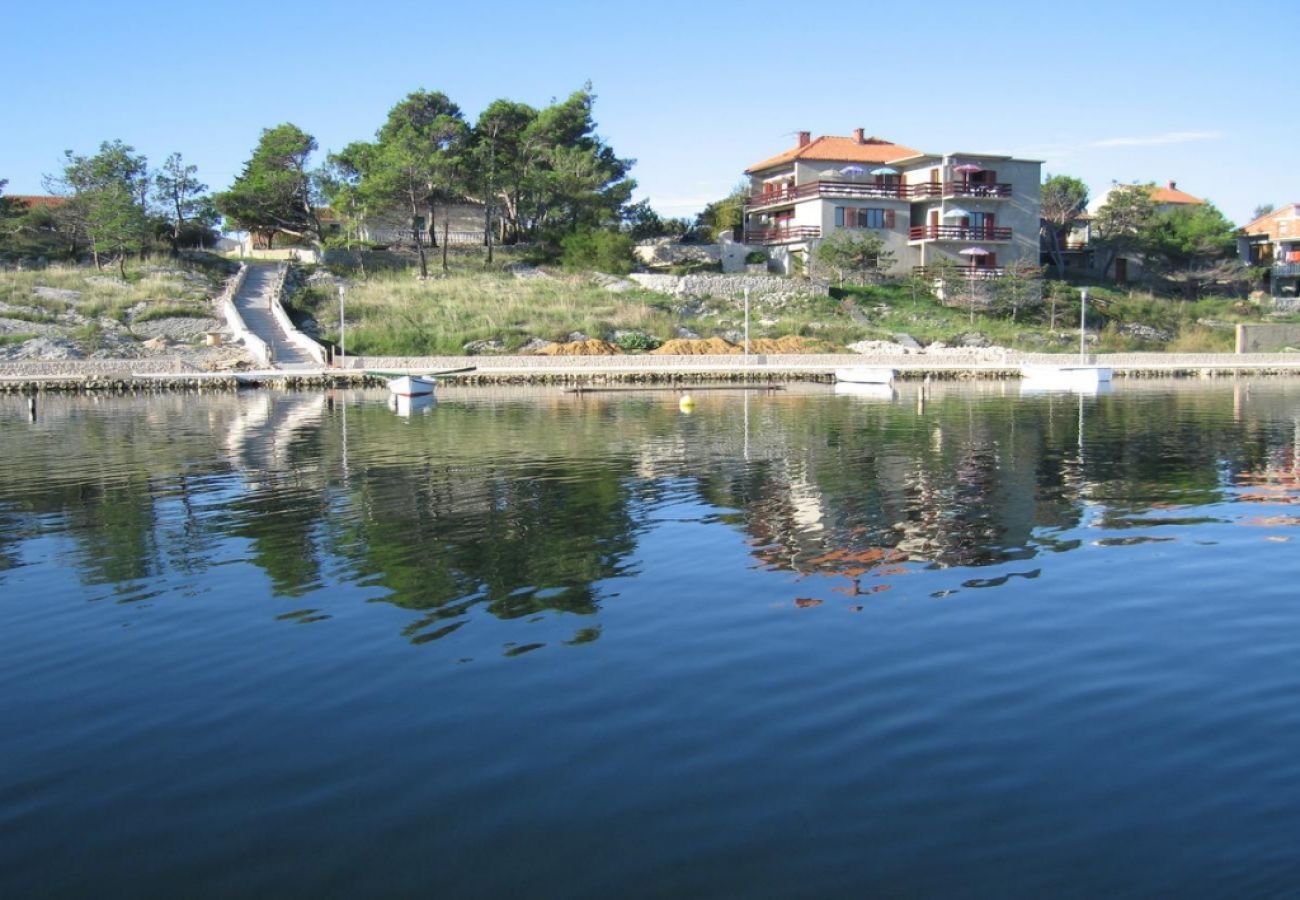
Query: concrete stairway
x,y
254,303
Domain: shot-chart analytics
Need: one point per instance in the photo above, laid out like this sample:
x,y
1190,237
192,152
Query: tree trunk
x,y
445,225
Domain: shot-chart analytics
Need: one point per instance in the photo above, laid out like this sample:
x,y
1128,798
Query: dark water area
x,y
790,644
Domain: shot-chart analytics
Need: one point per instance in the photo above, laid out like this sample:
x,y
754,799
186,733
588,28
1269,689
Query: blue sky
x,y
695,92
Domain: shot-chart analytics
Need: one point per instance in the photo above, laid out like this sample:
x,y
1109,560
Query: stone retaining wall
x,y
1255,339
765,290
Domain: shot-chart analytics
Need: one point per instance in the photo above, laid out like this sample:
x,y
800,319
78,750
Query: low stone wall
x,y
768,290
90,368
670,253
1267,338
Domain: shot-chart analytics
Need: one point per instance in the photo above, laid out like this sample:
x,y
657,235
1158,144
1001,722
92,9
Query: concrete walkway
x,y
254,303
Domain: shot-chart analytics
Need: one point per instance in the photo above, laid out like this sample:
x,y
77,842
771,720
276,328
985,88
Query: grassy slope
x,y
166,287
394,313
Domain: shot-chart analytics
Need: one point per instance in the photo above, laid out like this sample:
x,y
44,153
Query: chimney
x,y
805,138
1173,185
858,136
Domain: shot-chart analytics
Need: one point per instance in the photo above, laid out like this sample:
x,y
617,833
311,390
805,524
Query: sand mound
x,y
788,344
589,347
695,347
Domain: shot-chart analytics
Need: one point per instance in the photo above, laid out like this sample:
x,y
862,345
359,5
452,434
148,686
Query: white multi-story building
x,y
977,211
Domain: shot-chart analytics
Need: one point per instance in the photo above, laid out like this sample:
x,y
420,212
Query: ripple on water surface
x,y
784,644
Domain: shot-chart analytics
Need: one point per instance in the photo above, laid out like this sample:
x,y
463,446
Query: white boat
x,y
420,385
865,375
1079,376
412,386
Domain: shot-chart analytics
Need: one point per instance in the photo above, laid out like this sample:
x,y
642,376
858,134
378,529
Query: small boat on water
x,y
421,385
865,375
1080,376
412,386
1083,375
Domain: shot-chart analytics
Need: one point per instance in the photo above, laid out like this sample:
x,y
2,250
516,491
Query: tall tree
x,y
495,162
418,161
1063,201
107,196
1122,224
274,192
1190,245
179,193
1261,211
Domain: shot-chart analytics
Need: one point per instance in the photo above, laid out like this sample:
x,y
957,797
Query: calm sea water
x,y
793,644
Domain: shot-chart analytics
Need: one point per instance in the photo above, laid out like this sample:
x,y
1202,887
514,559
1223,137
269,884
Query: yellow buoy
x,y
686,404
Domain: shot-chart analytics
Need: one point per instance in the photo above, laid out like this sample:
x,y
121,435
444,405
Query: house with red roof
x,y
1273,241
977,211
1126,266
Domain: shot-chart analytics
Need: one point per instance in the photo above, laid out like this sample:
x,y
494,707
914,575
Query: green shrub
x,y
602,250
636,340
754,257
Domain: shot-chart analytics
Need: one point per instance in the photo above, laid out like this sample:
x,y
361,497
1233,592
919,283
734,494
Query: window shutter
x,y
839,217
889,218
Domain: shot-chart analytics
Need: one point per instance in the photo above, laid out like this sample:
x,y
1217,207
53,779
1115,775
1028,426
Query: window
x,y
849,217
980,221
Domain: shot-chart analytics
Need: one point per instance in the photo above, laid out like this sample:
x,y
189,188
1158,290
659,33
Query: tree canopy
x,y
1064,199
274,192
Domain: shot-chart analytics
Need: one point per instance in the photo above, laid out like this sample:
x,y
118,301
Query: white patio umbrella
x,y
955,212
852,170
884,170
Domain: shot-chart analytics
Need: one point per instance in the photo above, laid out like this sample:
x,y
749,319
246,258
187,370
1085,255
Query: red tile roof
x,y
1170,194
840,149
32,201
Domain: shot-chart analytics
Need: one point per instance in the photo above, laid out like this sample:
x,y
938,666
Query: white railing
x,y
291,332
235,322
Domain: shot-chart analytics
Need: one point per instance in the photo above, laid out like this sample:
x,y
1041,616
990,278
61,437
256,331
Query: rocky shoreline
x,y
136,375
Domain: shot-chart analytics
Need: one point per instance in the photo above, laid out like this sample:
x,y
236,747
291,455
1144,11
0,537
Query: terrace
x,y
958,233
783,235
841,190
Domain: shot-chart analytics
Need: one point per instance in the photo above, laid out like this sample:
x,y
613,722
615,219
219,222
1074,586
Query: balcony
x,y
841,190
784,235
1286,270
968,273
957,233
935,190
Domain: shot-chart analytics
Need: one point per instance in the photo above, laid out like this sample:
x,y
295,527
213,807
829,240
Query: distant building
x,y
976,211
1273,241
1080,244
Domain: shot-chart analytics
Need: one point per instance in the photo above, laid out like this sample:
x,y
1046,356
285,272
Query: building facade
x,y
978,212
1273,242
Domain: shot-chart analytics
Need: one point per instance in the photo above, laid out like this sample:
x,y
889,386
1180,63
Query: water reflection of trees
x,y
526,506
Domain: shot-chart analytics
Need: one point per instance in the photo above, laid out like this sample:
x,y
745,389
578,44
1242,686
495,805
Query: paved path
x,y
254,303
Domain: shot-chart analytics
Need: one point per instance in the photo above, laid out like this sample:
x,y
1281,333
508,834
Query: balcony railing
x,y
829,189
969,273
935,190
958,233
1286,270
782,235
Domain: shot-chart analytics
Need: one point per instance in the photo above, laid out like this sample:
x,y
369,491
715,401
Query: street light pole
x,y
1083,323
747,321
343,346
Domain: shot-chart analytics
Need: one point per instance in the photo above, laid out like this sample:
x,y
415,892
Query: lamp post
x,y
746,322
343,351
1083,323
